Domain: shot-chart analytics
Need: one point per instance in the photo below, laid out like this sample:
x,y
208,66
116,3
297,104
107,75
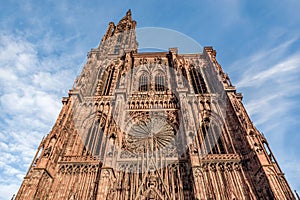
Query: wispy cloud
x,y
31,89
276,72
271,84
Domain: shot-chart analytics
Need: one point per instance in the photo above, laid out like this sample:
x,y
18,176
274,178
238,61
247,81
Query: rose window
x,y
149,135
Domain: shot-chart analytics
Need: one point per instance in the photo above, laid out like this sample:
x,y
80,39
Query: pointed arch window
x,y
218,138
213,139
94,138
120,37
159,82
198,81
143,83
108,76
184,78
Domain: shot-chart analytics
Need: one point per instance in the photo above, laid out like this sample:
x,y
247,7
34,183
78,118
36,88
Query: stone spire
x,y
125,24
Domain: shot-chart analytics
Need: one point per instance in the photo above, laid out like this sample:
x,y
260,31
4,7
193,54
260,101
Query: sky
x,y
43,47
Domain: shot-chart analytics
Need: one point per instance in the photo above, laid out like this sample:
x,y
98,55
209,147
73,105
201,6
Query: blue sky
x,y
43,46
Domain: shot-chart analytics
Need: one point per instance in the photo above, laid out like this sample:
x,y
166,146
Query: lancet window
x,y
143,83
184,78
159,83
94,138
108,76
198,81
213,139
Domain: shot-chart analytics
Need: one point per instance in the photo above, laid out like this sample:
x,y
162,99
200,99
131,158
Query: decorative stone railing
x,y
153,101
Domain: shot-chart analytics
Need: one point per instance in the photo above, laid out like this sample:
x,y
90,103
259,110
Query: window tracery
x,y
213,139
107,77
143,83
159,82
198,81
94,138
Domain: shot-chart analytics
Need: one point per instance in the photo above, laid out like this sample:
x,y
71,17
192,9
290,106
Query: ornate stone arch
x,y
214,135
106,80
158,69
92,132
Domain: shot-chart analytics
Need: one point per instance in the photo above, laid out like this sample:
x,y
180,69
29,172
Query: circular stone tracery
x,y
149,135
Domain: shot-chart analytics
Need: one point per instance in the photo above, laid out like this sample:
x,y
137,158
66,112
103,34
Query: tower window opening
x,y
219,138
94,138
206,139
185,78
198,82
108,82
120,38
213,139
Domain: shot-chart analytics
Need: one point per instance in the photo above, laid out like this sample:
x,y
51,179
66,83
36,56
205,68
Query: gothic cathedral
x,y
152,125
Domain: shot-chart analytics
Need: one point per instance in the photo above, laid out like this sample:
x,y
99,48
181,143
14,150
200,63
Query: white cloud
x,y
278,71
22,54
51,81
7,189
271,83
31,87
7,75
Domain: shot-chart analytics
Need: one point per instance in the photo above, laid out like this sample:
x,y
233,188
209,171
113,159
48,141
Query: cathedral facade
x,y
152,125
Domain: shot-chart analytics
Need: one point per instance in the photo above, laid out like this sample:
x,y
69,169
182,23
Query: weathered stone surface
x,y
158,125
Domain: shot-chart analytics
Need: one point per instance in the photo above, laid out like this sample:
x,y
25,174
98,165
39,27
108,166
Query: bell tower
x,y
152,125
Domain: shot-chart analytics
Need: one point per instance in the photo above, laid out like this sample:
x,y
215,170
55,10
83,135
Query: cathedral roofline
x,y
151,53
163,53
